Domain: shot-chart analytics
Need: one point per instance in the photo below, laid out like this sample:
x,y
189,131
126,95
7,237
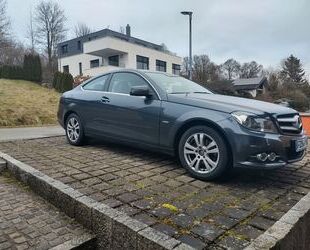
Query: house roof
x,y
104,33
249,83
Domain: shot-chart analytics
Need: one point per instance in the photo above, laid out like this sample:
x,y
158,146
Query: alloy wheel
x,y
73,129
201,153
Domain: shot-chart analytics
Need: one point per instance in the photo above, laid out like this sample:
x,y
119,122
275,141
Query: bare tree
x,y
204,70
122,30
231,67
4,21
185,67
214,72
81,29
50,27
31,33
11,53
250,70
200,68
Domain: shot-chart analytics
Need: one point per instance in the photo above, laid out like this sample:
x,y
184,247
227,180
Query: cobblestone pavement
x,y
153,188
29,222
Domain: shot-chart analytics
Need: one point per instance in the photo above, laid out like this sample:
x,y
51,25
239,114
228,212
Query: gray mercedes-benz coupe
x,y
209,133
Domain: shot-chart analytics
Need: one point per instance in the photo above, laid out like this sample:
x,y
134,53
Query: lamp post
x,y
189,14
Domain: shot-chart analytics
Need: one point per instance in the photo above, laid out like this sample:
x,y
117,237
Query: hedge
x,y
31,70
11,72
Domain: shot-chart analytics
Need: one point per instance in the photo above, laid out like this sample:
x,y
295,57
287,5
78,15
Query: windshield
x,y
176,84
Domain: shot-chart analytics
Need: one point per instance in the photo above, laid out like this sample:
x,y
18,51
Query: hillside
x,y
24,103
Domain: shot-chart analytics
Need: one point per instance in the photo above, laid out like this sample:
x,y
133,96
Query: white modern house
x,y
107,50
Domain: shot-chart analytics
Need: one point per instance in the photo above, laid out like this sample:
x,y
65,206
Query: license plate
x,y
301,144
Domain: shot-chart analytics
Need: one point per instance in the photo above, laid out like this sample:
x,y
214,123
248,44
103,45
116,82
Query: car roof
x,y
135,71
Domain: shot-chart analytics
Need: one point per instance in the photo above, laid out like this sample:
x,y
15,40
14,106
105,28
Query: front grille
x,y
290,123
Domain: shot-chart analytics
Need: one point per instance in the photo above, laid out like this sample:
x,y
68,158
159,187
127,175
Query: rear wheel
x,y
203,152
74,130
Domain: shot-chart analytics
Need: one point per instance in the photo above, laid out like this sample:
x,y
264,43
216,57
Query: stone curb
x,y
114,229
290,232
31,138
75,242
2,165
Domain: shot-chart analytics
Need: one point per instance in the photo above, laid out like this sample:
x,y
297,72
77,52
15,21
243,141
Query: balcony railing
x,y
101,69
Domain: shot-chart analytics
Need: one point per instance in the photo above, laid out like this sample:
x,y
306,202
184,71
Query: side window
x,y
123,82
97,84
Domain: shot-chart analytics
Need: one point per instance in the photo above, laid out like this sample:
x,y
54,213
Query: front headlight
x,y
255,122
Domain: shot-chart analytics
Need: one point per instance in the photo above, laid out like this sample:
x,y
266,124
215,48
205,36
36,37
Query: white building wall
x,y
127,51
73,63
133,50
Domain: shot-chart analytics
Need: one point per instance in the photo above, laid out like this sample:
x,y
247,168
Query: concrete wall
x,y
113,229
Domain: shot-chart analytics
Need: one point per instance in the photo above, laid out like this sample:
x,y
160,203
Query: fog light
x,y
272,156
262,156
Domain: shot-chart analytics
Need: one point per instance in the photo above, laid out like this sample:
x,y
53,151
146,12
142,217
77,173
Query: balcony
x,y
105,47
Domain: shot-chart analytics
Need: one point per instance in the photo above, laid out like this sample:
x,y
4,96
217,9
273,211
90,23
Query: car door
x,y
91,103
131,117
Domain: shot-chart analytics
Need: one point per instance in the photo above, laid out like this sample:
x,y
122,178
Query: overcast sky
x,y
263,30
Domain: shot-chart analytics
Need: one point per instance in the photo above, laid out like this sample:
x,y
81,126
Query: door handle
x,y
105,99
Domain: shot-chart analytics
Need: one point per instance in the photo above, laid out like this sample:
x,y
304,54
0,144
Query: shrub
x,y
299,100
56,80
80,79
62,82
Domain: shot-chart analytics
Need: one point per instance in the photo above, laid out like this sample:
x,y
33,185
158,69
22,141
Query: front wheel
x,y
203,152
74,130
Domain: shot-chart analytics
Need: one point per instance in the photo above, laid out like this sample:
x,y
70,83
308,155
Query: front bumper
x,y
246,145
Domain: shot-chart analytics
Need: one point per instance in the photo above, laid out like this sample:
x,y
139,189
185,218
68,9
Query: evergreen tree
x,y
292,70
32,68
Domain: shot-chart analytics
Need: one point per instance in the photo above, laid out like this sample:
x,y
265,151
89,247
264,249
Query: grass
x,y
24,103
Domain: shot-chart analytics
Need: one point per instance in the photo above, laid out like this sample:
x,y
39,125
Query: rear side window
x,y
123,82
98,84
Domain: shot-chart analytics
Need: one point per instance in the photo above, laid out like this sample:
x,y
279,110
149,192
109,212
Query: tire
x,y
74,124
203,153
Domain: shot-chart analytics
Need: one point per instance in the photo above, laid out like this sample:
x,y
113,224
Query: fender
x,y
172,121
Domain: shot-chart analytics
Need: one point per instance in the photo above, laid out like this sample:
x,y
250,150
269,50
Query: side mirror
x,y
140,91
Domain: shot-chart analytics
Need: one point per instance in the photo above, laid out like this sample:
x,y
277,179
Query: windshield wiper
x,y
201,92
179,93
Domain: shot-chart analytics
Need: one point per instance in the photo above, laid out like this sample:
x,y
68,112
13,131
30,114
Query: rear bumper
x,y
246,145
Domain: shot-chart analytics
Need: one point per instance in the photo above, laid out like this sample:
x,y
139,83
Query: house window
x,y
176,69
65,69
64,49
161,66
142,62
80,69
114,60
94,63
79,46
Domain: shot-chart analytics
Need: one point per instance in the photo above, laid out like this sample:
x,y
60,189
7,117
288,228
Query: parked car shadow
x,y
233,175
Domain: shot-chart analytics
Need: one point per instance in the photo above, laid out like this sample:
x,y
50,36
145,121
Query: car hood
x,y
229,104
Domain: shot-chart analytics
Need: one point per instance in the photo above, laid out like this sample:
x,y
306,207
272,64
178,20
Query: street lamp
x,y
189,14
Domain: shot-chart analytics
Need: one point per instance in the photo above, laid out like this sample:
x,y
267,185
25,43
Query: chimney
x,y
128,32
